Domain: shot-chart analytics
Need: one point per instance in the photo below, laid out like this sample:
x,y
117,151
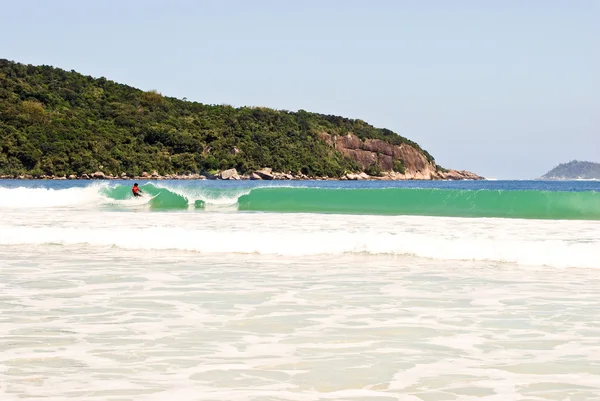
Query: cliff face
x,y
371,152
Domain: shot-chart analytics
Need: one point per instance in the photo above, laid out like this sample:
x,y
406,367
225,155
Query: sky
x,y
507,89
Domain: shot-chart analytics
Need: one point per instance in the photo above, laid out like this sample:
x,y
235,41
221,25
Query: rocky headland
x,y
56,124
574,170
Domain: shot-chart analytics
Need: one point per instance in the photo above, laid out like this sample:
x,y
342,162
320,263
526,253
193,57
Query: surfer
x,y
136,190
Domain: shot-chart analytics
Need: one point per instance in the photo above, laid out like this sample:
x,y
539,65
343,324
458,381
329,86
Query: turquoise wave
x,y
388,201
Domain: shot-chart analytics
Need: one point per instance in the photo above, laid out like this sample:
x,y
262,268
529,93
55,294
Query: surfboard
x,y
154,196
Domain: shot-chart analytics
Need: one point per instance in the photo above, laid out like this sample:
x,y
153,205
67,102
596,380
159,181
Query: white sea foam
x,y
95,323
524,242
22,198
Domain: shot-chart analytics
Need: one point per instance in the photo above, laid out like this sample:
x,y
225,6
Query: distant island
x,y
574,170
65,125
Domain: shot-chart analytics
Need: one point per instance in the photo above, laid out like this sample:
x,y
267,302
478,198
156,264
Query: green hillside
x,y
56,122
574,170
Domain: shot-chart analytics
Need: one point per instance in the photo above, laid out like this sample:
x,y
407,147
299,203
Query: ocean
x,y
300,290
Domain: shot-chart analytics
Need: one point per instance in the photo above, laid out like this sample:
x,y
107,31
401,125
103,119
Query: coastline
x,y
264,174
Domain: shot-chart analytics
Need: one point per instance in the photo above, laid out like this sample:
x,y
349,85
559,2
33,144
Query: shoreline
x,y
204,178
265,174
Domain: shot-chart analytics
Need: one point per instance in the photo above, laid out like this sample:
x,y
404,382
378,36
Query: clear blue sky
x,y
504,88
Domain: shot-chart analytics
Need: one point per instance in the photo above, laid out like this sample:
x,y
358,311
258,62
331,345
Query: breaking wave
x,y
525,204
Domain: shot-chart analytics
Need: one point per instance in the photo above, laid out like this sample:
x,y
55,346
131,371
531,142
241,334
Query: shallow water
x,y
83,323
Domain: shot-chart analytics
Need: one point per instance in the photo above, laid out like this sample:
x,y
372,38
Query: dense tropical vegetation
x,y
55,122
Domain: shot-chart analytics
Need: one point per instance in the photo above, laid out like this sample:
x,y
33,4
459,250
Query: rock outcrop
x,y
98,175
230,174
373,152
459,175
265,174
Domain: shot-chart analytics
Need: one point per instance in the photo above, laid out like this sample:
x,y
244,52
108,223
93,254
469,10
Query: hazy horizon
x,y
503,89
